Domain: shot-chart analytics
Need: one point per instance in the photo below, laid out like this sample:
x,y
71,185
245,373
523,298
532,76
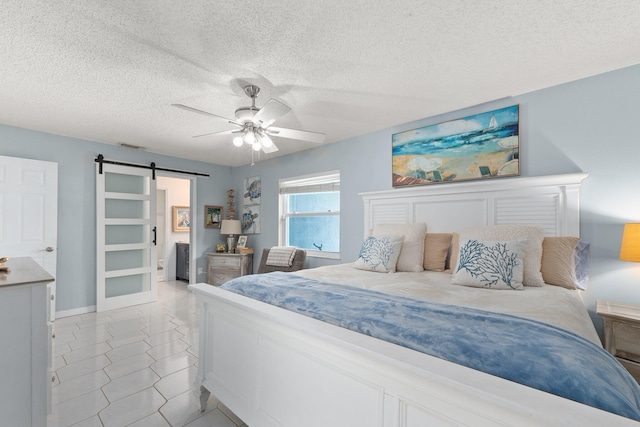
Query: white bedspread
x,y
552,304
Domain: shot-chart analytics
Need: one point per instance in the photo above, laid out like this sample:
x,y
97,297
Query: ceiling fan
x,y
256,124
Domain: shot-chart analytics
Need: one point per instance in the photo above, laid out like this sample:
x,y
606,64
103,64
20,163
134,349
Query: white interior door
x,y
29,212
126,242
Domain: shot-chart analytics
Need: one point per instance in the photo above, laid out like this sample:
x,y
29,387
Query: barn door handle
x,y
154,235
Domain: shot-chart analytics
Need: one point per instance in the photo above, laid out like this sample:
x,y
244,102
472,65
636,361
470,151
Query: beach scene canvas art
x,y
481,146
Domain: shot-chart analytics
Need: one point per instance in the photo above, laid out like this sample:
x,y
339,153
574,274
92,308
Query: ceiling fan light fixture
x,y
237,141
256,146
250,137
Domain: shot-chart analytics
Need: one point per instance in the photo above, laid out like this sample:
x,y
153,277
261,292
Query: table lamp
x,y
230,227
630,247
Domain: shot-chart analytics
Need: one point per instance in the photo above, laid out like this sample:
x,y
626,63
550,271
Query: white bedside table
x,y
622,333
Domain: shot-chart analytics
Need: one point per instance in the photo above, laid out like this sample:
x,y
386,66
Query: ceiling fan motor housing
x,y
246,114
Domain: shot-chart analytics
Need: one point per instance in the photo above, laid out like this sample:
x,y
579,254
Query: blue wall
x,y
76,266
590,125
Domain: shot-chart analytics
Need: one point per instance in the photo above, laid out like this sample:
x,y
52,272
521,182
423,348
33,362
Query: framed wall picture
x,y
242,242
482,146
212,216
181,219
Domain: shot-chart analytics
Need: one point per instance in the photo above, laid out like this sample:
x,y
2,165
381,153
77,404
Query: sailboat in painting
x,y
493,123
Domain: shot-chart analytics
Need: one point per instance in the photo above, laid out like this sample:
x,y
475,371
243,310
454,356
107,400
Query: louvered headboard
x,y
553,201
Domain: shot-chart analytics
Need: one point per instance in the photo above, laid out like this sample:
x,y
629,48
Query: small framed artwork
x,y
181,219
242,242
212,216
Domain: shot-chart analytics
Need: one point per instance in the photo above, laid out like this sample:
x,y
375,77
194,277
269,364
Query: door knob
x,y
49,249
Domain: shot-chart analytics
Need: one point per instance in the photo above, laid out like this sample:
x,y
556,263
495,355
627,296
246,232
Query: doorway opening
x,y
174,198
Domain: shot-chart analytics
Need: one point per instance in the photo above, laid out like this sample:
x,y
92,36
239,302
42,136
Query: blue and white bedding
x,y
522,350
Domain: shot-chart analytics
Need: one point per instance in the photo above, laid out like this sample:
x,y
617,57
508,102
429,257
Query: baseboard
x,y
74,312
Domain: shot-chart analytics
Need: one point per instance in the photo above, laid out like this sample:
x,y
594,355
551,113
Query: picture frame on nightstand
x,y
242,242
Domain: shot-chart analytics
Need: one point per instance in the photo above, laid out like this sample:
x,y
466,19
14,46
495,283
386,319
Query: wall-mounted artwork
x,y
251,219
251,199
252,191
181,218
212,216
485,145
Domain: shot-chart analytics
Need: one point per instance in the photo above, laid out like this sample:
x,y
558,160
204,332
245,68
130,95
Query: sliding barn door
x,y
126,244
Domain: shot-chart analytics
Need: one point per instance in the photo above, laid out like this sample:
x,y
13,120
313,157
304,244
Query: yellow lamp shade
x,y
630,248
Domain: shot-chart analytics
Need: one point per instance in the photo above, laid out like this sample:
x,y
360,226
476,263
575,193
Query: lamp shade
x,y
230,226
630,248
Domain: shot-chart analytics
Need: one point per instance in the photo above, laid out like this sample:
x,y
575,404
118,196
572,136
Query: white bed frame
x,y
273,367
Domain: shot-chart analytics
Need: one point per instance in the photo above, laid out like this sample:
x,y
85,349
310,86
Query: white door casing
x,y
29,212
126,244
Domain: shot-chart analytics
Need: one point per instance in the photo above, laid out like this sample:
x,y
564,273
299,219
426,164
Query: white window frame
x,y
313,183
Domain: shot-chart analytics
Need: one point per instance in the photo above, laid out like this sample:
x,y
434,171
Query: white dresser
x,y
224,266
25,344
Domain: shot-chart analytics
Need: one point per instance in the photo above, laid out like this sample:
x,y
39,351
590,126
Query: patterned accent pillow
x,y
379,254
533,234
490,264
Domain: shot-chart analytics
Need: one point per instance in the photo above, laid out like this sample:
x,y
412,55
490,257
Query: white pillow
x,y
412,252
490,264
379,254
533,234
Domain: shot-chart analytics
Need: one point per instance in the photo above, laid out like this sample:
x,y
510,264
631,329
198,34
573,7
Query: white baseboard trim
x,y
75,311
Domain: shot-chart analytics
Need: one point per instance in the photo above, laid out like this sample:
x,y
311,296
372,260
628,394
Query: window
x,y
310,214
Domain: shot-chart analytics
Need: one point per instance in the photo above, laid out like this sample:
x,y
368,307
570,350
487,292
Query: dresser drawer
x,y
632,367
223,261
627,344
218,277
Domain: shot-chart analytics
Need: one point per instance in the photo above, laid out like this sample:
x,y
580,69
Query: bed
x,y
285,366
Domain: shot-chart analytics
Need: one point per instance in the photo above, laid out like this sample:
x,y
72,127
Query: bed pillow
x,y
558,262
562,261
533,234
412,252
490,264
379,254
581,256
436,248
453,253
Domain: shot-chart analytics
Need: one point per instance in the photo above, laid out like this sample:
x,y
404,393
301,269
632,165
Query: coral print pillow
x,y
490,264
379,254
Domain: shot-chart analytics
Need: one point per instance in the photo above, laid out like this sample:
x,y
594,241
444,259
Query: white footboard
x,y
273,367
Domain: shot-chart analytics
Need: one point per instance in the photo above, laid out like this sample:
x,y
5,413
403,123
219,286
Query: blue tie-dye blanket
x,y
522,350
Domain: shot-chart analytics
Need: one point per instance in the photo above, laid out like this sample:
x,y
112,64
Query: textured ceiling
x,y
108,71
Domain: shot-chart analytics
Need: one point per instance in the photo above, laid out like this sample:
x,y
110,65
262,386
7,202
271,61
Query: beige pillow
x,y
454,253
533,234
436,248
412,252
558,261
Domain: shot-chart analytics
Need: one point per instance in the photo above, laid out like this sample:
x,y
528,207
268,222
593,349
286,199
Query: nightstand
x,y
225,266
622,333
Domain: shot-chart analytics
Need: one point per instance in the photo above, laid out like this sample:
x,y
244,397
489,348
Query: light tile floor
x,y
134,366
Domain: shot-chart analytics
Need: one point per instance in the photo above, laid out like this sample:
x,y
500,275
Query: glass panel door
x,y
126,237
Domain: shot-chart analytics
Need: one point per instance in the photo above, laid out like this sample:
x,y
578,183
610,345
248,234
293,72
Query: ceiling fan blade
x,y
224,132
271,149
195,110
302,135
270,112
